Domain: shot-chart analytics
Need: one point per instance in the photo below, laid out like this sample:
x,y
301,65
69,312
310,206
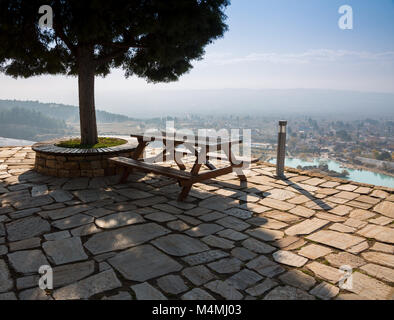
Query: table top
x,y
195,140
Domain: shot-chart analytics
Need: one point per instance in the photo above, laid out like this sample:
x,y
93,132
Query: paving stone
x,y
182,205
382,247
172,284
244,279
302,212
342,228
205,257
358,248
218,203
26,228
266,234
168,208
6,282
98,212
225,290
344,258
67,274
25,244
198,211
262,288
76,184
355,223
218,242
143,263
361,214
178,225
198,275
85,230
314,251
37,191
65,250
180,245
382,273
233,223
277,204
350,296
288,293
26,203
298,279
265,267
379,258
370,288
325,272
123,295
160,217
257,246
88,287
279,194
232,235
124,237
204,229
383,221
289,258
335,239
197,294
226,265
212,216
282,216
286,242
72,222
34,294
306,227
330,217
325,291
385,208
66,212
27,281
28,261
243,254
144,291
57,235
61,195
341,210
119,219
239,213
3,250
7,296
23,213
267,223
189,220
379,233
150,201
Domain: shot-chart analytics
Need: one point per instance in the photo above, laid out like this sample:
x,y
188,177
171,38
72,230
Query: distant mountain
x,y
60,111
308,102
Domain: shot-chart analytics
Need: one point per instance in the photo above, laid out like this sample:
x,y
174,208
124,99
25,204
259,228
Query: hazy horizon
x,y
271,45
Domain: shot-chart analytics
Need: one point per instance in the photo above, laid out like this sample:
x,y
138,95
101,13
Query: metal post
x,y
281,155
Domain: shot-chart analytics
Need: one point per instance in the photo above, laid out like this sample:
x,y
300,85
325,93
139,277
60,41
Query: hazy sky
x,y
277,44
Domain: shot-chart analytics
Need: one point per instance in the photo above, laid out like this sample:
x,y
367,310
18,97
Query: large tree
x,y
153,39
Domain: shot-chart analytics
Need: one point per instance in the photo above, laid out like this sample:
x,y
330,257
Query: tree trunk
x,y
87,112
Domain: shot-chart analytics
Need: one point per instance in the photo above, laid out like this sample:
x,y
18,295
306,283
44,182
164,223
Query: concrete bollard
x,y
281,152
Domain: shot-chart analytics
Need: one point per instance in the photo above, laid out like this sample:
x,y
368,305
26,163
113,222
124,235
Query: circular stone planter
x,y
61,162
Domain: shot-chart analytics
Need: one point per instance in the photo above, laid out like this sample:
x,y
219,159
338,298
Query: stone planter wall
x,y
70,163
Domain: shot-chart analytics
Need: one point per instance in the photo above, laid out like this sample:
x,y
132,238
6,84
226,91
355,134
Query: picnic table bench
x,y
197,146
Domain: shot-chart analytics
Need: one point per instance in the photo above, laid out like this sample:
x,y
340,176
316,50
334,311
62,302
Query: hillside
x,y
60,111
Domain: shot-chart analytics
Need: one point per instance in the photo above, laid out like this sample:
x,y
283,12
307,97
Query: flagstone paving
x,y
264,239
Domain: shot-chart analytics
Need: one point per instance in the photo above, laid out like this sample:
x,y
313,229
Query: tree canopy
x,y
153,39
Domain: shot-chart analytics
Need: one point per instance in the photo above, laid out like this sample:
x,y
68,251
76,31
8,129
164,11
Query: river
x,y
363,176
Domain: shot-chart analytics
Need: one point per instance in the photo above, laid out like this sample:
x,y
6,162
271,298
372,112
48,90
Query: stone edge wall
x,y
73,166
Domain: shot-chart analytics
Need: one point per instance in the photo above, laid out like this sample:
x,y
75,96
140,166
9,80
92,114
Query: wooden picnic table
x,y
200,147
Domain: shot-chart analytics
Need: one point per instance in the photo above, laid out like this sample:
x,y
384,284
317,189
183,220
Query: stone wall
x,y
60,162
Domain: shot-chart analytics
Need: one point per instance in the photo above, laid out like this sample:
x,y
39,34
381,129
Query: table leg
x,y
239,172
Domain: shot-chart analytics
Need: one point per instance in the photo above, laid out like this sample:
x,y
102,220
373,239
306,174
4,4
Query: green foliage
x,y
102,143
383,156
153,39
60,111
36,119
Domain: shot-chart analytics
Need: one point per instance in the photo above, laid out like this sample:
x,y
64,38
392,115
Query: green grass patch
x,y
102,143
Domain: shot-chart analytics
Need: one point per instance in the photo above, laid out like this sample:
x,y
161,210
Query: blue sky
x,y
271,44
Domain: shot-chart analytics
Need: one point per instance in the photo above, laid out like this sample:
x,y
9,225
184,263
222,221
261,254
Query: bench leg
x,y
184,193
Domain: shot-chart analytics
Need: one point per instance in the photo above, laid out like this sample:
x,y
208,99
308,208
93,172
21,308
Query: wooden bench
x,y
184,178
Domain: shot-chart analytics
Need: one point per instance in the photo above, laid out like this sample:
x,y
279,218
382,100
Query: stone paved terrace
x,y
269,239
